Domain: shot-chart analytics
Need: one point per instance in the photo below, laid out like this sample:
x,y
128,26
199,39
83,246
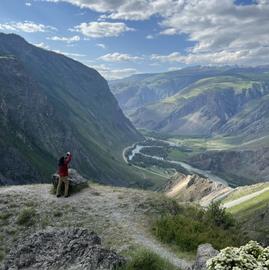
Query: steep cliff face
x,y
50,104
240,167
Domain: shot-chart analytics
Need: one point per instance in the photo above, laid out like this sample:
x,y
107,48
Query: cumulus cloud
x,y
65,39
127,9
102,29
113,74
224,33
119,57
26,26
28,4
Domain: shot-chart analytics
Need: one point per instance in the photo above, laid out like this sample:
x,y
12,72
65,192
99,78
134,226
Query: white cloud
x,y
113,74
248,57
101,45
65,39
72,55
149,37
119,57
127,9
173,68
42,45
68,54
102,29
223,32
28,4
26,26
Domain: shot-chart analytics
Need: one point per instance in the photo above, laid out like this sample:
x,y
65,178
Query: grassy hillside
x,y
252,214
121,217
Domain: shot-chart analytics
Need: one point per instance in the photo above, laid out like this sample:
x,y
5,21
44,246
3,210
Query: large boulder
x,y
71,248
77,182
204,253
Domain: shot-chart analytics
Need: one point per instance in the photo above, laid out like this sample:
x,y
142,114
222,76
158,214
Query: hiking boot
x,y
58,195
66,196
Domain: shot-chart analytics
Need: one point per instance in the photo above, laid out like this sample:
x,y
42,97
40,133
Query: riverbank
x,y
137,149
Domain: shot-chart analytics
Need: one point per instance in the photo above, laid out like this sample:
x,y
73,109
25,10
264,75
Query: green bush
x,y
217,215
27,216
194,226
144,259
252,256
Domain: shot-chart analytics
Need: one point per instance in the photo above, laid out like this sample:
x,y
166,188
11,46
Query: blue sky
x,y
124,37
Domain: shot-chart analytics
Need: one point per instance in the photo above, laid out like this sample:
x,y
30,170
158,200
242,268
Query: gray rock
x,y
77,182
71,248
204,253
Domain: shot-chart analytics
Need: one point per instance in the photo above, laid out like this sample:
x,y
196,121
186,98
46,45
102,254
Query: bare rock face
x,y
75,249
195,188
204,253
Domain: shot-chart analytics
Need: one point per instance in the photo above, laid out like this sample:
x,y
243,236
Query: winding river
x,y
189,168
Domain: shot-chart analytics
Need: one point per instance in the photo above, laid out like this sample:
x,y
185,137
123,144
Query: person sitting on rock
x,y
63,173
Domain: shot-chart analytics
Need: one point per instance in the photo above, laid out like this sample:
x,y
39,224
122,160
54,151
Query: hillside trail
x,y
116,211
244,198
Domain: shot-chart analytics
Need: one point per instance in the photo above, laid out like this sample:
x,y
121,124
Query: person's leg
x,y
58,192
66,186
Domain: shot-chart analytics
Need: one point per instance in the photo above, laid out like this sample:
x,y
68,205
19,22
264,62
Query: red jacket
x,y
63,169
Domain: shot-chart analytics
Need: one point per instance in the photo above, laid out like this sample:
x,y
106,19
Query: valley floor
x,y
120,216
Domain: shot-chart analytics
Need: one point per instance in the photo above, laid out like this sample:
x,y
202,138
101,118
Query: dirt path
x,y
244,198
116,214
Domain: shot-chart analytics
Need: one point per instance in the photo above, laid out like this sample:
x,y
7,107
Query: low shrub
x,y
27,216
194,226
144,259
252,256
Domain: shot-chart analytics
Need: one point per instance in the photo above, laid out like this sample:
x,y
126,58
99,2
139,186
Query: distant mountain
x,y
140,90
50,104
199,101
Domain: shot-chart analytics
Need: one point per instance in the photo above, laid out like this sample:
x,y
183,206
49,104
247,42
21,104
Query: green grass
x,y
248,207
217,83
243,191
253,217
143,259
177,155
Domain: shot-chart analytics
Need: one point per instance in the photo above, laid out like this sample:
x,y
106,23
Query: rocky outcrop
x,y
195,188
62,249
204,253
76,181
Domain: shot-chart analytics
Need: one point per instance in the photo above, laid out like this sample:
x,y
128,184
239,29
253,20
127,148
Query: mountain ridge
x,y
206,105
